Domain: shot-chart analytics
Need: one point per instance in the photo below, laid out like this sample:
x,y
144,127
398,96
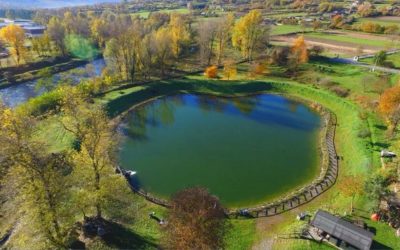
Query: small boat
x,y
130,173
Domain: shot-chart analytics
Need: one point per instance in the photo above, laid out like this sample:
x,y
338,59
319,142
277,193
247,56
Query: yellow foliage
x,y
230,70
299,49
211,72
179,32
246,32
14,35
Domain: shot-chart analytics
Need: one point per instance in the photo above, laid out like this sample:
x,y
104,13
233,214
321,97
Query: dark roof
x,y
342,229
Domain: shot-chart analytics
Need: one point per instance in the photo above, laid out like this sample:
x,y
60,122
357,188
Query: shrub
x,y
340,91
364,133
211,72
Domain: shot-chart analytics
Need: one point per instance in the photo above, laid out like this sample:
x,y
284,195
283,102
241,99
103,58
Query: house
x,y
340,232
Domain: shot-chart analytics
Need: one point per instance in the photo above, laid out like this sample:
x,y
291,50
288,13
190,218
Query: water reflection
x,y
267,109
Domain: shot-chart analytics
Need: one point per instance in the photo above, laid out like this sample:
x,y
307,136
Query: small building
x,y
342,233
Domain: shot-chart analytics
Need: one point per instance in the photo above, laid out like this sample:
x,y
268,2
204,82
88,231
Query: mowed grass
x,y
384,22
287,29
346,38
145,14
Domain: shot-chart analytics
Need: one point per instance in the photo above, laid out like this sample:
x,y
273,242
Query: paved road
x,y
364,65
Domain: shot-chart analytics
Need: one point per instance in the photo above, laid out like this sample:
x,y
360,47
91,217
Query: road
x,y
364,65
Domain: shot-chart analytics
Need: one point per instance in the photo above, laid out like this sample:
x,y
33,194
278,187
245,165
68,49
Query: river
x,y
19,93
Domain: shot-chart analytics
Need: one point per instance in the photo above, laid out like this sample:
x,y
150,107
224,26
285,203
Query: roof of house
x,y
342,229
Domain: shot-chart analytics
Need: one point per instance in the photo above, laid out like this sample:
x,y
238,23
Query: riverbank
x,y
18,75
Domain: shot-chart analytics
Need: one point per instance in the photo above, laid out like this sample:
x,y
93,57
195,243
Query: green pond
x,y
245,150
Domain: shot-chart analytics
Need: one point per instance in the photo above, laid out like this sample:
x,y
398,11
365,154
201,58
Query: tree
x,y
122,53
250,34
366,9
206,37
257,69
163,48
389,106
298,52
179,32
211,72
95,144
41,45
380,58
376,187
224,31
57,33
14,35
351,186
40,178
196,220
230,69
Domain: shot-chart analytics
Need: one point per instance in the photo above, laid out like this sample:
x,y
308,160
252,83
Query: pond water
x,y
22,92
245,150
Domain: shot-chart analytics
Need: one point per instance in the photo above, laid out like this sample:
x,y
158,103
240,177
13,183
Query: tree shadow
x,y
122,238
379,246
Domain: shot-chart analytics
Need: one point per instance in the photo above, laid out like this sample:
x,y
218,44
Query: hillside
x,y
50,3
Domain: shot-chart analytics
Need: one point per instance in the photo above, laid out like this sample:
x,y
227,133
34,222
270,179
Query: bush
x,y
211,72
340,91
364,133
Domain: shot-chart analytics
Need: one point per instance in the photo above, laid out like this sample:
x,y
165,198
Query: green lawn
x,y
345,38
287,29
384,22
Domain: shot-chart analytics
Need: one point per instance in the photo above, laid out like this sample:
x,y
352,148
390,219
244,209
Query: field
x,y
345,43
287,29
145,14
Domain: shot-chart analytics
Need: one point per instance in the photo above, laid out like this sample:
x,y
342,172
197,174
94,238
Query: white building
x,y
31,28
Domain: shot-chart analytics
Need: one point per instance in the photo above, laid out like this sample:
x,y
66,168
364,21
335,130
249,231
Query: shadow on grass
x,y
124,102
378,246
122,238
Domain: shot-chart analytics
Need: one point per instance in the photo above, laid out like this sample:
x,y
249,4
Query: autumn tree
x,y
223,34
93,158
57,33
257,69
389,106
211,71
162,44
351,186
100,31
298,52
195,221
250,34
179,32
40,178
42,45
122,53
230,69
206,37
14,35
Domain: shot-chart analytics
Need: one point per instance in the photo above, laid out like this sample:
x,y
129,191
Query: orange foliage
x,y
390,100
211,72
299,49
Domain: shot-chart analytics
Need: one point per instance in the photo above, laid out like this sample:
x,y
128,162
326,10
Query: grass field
x,y
384,22
287,29
145,14
345,38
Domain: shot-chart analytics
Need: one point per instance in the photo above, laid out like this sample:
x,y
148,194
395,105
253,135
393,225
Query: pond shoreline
x,y
313,188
